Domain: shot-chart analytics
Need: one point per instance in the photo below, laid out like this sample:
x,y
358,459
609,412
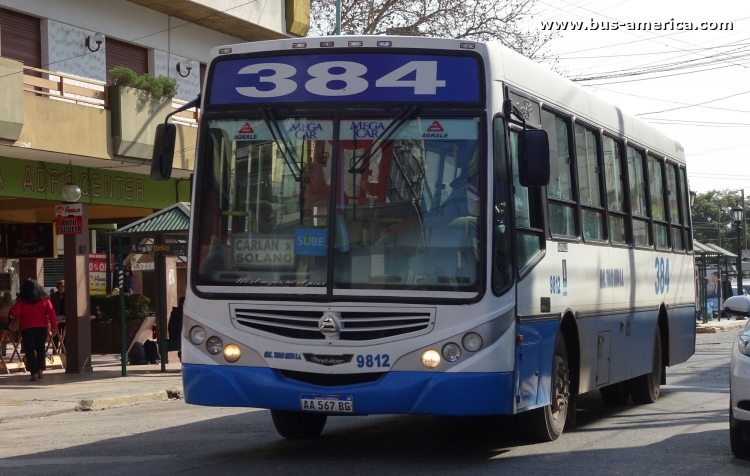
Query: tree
x,y
478,20
713,222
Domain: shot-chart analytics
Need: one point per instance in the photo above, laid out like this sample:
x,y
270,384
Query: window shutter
x,y
21,39
131,56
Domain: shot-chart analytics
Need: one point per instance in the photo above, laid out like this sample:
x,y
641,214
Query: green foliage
x,y
6,300
712,219
106,307
159,88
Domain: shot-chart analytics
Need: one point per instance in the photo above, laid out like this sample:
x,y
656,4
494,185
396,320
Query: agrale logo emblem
x,y
246,129
435,127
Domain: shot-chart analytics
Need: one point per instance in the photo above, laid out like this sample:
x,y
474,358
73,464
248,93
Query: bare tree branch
x,y
478,20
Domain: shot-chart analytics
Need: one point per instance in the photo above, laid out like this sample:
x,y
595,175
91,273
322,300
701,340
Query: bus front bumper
x,y
394,393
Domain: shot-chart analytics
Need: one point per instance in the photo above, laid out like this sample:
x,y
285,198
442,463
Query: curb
x,y
715,329
104,403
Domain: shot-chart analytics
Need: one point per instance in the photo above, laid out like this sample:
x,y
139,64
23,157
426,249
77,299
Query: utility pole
x,y
338,17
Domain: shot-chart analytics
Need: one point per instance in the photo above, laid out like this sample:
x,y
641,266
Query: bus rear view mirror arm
x,y
533,161
164,141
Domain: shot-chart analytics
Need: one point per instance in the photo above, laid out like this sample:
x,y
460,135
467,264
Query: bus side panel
x,y
681,334
534,364
624,357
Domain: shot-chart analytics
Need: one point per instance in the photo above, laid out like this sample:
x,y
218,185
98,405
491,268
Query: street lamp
x,y
738,214
693,194
742,192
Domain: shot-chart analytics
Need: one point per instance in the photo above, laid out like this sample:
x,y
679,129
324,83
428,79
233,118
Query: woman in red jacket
x,y
35,310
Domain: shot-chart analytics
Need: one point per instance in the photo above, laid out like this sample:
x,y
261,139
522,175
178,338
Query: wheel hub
x,y
561,388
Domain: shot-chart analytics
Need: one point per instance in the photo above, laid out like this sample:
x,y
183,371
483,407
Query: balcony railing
x,y
88,92
65,87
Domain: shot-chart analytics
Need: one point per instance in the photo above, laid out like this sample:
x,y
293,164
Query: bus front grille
x,y
355,325
331,380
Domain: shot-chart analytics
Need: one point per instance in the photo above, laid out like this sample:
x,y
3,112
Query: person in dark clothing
x,y
35,310
175,321
727,290
58,304
127,281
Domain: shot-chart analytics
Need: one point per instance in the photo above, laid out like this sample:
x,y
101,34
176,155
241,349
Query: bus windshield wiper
x,y
359,165
286,147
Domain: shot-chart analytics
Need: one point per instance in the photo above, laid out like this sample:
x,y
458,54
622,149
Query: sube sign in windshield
x,y
346,77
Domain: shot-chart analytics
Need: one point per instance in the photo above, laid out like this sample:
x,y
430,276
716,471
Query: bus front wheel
x,y
547,423
645,388
298,425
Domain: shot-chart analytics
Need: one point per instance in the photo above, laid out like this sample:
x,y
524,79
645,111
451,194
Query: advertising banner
x,y
31,240
98,272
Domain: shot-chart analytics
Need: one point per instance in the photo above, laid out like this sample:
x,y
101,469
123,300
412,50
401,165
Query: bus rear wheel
x,y
615,394
298,425
547,423
645,389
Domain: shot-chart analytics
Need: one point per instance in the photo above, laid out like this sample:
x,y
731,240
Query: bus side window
x,y
615,191
529,233
656,189
686,222
560,198
674,207
589,184
637,181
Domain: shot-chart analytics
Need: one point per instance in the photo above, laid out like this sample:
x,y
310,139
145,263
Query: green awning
x,y
174,220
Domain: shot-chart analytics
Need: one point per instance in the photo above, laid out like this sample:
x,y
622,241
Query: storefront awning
x,y
172,221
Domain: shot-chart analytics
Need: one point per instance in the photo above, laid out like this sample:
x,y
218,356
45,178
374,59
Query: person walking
x,y
35,310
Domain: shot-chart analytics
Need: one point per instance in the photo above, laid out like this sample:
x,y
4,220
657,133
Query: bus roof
x,y
503,65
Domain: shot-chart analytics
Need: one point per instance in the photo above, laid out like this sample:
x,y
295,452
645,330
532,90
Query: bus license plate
x,y
327,403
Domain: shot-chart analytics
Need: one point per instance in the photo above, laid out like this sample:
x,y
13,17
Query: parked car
x,y
739,395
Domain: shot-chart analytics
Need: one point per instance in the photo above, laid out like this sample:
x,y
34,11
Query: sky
x,y
696,89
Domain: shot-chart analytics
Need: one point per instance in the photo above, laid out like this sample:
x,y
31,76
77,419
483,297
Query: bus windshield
x,y
405,201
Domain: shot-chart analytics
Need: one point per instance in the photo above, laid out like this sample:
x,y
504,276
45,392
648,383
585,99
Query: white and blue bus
x,y
400,225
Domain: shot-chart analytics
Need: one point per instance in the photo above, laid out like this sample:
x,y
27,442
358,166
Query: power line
x,y
673,101
664,76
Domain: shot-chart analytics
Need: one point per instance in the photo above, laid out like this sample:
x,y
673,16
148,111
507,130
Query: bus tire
x,y
645,388
615,394
547,423
298,425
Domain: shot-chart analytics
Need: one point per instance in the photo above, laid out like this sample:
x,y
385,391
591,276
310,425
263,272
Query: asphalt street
x,y
685,432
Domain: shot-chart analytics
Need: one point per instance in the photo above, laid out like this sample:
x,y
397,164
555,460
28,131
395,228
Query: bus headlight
x,y
232,353
430,358
472,341
197,335
451,352
214,345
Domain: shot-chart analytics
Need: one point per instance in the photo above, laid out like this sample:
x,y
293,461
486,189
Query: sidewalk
x,y
103,388
725,325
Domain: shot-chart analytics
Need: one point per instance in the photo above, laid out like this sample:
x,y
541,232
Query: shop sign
x,y
31,240
45,180
69,226
68,210
98,272
149,266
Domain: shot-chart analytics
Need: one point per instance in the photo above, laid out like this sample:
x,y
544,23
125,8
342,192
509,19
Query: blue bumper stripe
x,y
395,392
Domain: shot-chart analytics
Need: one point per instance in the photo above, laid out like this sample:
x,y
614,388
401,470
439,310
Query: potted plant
x,y
138,104
105,326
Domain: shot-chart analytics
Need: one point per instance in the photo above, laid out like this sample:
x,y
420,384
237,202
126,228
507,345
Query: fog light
x,y
232,353
451,352
214,345
472,342
430,359
197,335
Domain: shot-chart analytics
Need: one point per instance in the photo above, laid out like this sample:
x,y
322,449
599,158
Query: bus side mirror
x,y
161,161
533,168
